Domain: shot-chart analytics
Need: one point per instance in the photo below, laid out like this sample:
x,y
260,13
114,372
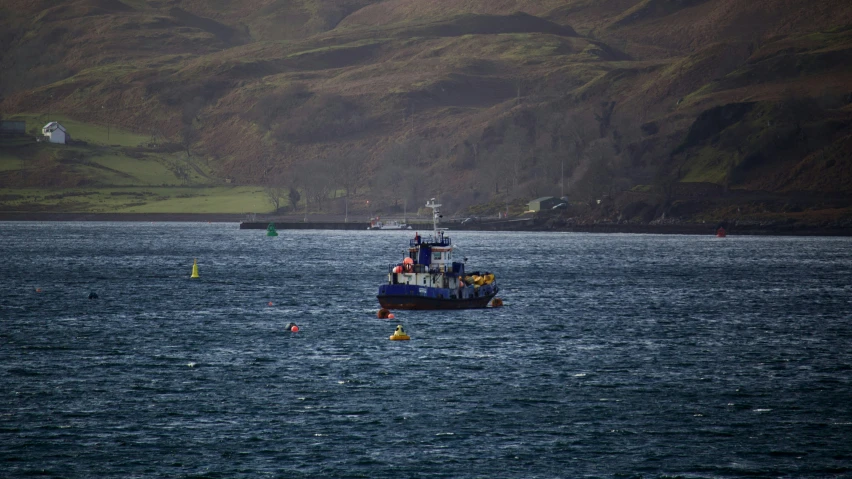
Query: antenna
x,y
436,214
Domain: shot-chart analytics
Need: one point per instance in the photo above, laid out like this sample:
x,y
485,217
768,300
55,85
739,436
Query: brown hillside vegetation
x,y
480,102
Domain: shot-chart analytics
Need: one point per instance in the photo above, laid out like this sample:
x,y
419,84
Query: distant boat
x,y
377,224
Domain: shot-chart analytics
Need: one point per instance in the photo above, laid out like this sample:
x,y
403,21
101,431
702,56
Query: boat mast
x,y
435,215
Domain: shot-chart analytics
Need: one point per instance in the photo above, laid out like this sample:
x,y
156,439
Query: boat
x,y
429,278
378,224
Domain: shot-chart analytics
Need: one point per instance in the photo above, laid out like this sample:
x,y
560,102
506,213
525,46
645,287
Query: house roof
x,y
52,126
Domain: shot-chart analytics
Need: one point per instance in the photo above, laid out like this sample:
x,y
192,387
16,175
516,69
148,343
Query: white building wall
x,y
57,136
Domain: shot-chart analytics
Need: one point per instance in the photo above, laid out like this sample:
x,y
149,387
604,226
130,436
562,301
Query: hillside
x,y
671,108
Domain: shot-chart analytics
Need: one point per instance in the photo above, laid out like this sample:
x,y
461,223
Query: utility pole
x,y
104,111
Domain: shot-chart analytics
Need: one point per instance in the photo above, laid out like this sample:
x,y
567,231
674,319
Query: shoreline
x,y
331,222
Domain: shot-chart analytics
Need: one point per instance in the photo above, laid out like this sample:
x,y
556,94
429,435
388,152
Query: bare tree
x,y
275,193
515,151
188,133
349,169
349,172
396,178
316,181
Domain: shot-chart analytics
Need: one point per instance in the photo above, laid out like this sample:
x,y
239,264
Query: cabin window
x,y
436,255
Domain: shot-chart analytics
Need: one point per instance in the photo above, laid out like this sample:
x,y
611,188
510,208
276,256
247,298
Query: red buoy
x,y
294,329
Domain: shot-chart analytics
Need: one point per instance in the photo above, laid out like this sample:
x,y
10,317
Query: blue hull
x,y
422,302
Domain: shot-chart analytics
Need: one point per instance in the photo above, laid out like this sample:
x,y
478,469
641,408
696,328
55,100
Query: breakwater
x,y
537,225
292,225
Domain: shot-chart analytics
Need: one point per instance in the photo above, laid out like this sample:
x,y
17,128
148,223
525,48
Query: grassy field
x,y
121,176
90,133
9,162
150,199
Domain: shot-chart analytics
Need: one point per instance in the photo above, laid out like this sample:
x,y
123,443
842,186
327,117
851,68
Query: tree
x,y
349,172
315,179
349,169
275,193
395,179
569,136
509,159
293,195
188,133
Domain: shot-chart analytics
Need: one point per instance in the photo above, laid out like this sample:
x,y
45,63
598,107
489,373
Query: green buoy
x,y
270,230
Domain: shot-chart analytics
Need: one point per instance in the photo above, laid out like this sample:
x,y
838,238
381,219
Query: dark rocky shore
x,y
526,224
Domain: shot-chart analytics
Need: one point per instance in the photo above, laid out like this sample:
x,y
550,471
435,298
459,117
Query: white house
x,y
55,132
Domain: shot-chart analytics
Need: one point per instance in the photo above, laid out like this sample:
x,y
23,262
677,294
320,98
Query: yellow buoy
x,y
399,334
195,268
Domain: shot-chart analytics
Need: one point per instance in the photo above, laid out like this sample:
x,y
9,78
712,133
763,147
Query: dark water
x,y
616,356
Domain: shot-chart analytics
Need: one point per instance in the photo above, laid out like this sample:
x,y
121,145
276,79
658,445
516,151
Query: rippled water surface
x,y
615,356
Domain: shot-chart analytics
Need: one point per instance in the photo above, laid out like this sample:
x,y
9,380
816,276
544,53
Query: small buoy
x,y
38,290
383,314
496,303
291,327
269,303
194,268
391,316
294,329
399,334
93,295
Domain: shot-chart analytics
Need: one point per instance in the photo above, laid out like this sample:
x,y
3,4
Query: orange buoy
x,y
391,316
294,329
383,314
38,290
269,303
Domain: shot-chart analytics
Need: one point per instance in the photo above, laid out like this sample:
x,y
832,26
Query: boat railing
x,y
440,241
422,268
